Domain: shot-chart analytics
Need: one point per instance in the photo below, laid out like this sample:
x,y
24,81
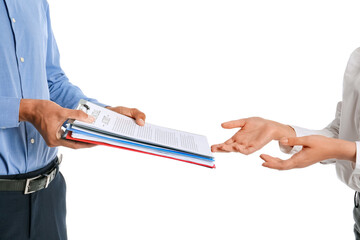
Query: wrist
x,y
345,150
27,109
282,130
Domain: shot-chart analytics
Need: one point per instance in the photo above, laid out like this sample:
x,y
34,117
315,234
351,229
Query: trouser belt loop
x,y
60,158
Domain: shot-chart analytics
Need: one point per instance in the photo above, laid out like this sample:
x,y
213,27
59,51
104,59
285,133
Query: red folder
x,y
69,137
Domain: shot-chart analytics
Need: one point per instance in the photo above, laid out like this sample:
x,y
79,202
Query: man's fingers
x,y
80,115
234,124
75,145
131,112
122,110
138,116
276,163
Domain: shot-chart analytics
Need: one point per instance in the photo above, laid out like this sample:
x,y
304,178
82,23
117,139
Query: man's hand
x,y
130,112
48,117
315,149
254,134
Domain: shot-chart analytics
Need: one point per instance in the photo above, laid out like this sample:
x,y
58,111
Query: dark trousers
x,y
37,216
356,214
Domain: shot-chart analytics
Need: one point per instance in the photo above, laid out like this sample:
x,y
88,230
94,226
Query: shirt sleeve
x,y
350,172
9,116
332,130
61,90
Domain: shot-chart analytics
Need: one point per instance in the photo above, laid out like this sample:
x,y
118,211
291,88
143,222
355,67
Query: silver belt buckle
x,y
28,181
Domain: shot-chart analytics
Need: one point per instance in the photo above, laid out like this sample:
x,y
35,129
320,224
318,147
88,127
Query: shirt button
x,y
22,59
13,19
32,141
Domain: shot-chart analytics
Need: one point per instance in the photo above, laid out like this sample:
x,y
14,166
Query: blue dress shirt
x,y
29,68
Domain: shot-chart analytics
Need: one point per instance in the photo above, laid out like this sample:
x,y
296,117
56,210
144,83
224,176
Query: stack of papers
x,y
116,130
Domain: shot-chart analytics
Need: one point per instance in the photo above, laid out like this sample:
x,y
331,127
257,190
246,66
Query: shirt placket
x,y
21,61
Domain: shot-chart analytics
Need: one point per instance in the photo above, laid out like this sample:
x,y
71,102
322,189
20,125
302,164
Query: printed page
x,y
113,141
110,122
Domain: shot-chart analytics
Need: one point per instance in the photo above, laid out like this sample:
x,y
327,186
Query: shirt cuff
x,y
300,132
9,116
289,149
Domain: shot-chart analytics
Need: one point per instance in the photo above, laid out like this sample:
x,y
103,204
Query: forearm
x,y
344,150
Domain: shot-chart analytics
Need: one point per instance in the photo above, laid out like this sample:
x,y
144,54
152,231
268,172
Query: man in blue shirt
x,y
36,98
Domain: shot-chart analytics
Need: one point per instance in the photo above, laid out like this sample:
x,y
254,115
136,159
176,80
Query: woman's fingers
x,y
293,141
276,163
234,124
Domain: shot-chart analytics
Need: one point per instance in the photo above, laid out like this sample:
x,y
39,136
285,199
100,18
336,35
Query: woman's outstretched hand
x,y
254,133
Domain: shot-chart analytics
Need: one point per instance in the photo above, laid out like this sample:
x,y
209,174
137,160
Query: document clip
x,y
84,107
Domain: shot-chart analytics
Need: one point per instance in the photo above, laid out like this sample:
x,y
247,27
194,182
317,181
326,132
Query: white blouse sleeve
x,y
349,172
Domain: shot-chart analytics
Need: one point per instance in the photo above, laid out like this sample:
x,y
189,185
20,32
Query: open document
x,y
116,130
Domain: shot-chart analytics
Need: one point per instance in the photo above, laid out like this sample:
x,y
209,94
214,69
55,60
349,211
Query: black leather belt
x,y
30,185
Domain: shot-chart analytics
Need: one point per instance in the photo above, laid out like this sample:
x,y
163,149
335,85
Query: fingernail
x,y
141,122
284,140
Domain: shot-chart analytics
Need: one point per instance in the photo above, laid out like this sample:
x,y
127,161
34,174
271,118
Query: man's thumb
x,y
81,116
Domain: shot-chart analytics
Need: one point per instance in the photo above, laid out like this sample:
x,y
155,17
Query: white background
x,y
192,65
